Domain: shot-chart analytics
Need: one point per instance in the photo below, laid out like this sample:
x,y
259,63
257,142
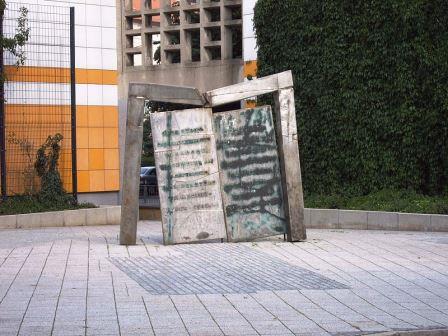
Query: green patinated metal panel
x,y
249,173
188,177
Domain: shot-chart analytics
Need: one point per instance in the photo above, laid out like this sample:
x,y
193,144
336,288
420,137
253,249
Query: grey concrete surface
x,y
100,198
80,281
106,215
374,220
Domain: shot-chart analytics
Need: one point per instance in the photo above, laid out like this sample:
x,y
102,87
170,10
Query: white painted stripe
x,y
48,46
44,56
250,49
59,94
248,6
59,57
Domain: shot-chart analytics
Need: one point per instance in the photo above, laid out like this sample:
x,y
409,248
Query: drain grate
x,y
219,269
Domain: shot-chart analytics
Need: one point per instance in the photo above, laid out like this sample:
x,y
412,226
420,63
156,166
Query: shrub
x,y
46,166
51,196
371,90
383,200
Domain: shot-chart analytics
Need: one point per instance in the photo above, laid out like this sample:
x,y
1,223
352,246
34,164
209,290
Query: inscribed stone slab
x,y
250,173
188,176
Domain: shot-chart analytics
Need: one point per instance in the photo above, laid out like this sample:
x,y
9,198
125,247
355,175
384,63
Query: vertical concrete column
x,y
203,34
185,40
226,36
288,148
146,48
185,46
164,4
131,171
128,5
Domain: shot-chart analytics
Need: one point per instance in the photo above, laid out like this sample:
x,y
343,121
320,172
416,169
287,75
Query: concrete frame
x,y
280,84
182,11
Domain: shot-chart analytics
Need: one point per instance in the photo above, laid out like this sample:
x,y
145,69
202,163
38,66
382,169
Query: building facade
x,y
205,44
201,43
38,93
249,41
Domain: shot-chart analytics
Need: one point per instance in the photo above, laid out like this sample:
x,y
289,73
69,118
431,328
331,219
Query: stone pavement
x,y
79,281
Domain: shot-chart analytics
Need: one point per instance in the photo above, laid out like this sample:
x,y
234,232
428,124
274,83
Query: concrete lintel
x,y
252,88
167,93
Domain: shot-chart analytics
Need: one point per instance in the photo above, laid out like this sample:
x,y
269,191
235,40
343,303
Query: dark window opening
x,y
214,34
173,38
173,56
214,53
173,19
235,13
237,42
193,16
195,46
214,14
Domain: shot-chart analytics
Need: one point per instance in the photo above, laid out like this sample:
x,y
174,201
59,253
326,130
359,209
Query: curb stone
x,y
95,216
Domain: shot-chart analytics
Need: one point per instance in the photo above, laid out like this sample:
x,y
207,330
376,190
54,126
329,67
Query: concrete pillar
x,y
288,147
131,171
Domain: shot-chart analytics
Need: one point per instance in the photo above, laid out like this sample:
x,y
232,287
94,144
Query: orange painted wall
x,y
97,133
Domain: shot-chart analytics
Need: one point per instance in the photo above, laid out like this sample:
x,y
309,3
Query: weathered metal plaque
x,y
188,176
250,173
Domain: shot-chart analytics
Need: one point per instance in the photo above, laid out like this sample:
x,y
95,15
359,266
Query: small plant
x,y
46,166
52,196
28,172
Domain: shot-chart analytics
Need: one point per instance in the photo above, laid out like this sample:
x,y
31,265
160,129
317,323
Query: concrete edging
x,y
109,215
374,220
314,219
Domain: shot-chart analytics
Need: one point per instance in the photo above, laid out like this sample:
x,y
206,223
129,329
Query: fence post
x,y
2,116
73,103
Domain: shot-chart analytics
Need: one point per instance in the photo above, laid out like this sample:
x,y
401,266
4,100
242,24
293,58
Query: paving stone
x,y
223,268
339,282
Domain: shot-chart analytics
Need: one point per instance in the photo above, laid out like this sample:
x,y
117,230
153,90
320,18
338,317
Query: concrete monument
x,y
250,173
188,175
261,193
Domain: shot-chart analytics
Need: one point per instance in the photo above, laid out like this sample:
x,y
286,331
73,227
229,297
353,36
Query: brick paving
x,y
79,281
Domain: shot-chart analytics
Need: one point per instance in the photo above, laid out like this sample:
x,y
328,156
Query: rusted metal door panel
x,y
188,176
250,173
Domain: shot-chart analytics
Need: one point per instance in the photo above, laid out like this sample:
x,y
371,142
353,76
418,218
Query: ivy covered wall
x,y
371,85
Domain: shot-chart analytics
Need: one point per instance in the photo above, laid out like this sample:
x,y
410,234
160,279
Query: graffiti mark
x,y
187,171
250,174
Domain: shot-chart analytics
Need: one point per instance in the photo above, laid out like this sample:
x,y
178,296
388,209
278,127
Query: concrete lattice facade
x,y
186,42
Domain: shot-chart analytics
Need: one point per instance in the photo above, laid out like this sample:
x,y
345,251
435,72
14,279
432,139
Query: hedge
x,y
371,86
